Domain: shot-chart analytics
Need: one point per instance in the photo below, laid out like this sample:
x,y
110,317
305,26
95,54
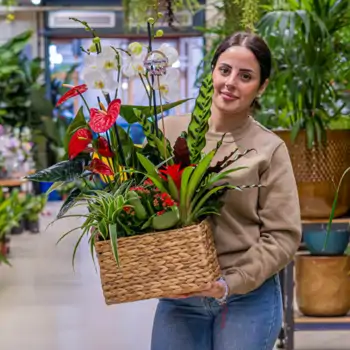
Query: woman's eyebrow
x,y
248,70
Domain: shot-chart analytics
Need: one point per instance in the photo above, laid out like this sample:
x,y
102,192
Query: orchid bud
x,y
159,33
92,48
135,48
151,20
96,40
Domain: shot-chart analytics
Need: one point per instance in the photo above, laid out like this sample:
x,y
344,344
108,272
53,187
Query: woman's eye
x,y
224,70
245,76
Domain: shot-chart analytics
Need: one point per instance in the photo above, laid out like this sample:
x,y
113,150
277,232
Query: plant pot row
x,y
25,225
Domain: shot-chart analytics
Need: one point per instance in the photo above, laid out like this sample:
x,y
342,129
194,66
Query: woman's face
x,y
236,80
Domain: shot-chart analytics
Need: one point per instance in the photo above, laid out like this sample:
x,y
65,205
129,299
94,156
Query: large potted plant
x,y
308,93
153,209
322,275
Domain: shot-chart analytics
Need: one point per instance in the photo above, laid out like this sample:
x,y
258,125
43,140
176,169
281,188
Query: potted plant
x,y
308,93
153,208
18,211
322,276
34,205
7,222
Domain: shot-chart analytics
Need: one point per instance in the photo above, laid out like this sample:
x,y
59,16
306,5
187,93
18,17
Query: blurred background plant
x,y
310,83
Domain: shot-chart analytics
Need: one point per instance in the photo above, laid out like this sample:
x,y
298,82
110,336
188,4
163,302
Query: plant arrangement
x,y
158,188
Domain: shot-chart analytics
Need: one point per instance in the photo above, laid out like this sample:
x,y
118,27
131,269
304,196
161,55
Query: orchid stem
x,y
118,78
162,115
144,85
86,104
152,80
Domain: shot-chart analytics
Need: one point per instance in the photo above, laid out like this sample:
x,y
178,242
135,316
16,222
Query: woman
x,y
259,229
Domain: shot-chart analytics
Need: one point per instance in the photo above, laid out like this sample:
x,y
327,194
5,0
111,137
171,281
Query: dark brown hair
x,y
255,44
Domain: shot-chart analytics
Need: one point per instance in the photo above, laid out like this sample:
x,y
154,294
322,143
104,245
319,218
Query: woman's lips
x,y
228,97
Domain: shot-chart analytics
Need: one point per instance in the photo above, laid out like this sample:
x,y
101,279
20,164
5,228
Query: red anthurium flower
x,y
174,172
79,142
74,91
98,167
103,147
101,121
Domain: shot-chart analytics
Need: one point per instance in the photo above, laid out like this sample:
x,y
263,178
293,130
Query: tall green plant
x,y
312,64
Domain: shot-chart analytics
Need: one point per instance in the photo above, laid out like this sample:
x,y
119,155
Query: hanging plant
x,y
136,12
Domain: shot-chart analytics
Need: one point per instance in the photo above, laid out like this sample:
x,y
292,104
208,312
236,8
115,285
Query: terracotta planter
x,y
323,285
318,171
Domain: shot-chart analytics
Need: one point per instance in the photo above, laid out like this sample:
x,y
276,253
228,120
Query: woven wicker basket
x,y
158,264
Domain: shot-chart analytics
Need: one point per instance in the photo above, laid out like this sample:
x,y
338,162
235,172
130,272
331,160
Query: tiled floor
x,y
44,305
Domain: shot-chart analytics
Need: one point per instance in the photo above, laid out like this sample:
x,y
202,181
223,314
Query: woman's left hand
x,y
212,289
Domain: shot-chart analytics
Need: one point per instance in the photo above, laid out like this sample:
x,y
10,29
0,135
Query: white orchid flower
x,y
168,85
133,65
99,79
170,52
107,60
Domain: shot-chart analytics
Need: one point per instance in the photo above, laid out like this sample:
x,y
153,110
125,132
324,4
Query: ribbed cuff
x,y
236,283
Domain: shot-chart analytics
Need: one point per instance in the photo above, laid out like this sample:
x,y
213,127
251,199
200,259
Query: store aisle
x,y
44,305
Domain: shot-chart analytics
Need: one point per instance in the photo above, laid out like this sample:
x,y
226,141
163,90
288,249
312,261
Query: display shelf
x,y
295,321
306,323
11,182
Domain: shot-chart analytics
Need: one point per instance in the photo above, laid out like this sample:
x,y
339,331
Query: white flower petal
x,y
98,80
169,52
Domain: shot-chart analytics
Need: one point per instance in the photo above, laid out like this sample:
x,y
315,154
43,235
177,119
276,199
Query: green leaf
x,y
4,260
295,131
114,241
174,192
66,170
185,178
199,125
69,202
76,248
334,205
204,199
310,133
54,187
135,201
197,176
128,111
167,220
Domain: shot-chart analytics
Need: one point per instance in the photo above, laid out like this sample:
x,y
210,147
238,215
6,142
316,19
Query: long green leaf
x,y
334,205
197,176
199,125
76,248
185,178
114,241
128,111
70,201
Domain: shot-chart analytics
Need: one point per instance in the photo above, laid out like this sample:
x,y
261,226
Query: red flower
x,y
103,147
174,172
78,142
98,167
101,121
74,91
148,182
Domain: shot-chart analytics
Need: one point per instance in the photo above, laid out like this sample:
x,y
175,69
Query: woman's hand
x,y
212,289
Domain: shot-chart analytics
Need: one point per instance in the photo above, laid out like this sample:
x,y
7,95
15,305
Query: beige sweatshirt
x,y
259,229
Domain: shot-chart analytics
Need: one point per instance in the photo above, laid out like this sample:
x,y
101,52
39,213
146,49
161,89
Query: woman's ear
x,y
263,87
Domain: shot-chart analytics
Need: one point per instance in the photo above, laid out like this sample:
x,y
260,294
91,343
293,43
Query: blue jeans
x,y
247,322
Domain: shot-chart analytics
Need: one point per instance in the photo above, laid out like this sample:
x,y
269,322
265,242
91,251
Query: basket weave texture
x,y
158,265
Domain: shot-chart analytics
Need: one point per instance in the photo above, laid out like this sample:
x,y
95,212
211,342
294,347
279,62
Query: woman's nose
x,y
231,80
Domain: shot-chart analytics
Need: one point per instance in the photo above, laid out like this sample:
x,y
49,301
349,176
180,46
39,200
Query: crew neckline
x,y
231,135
